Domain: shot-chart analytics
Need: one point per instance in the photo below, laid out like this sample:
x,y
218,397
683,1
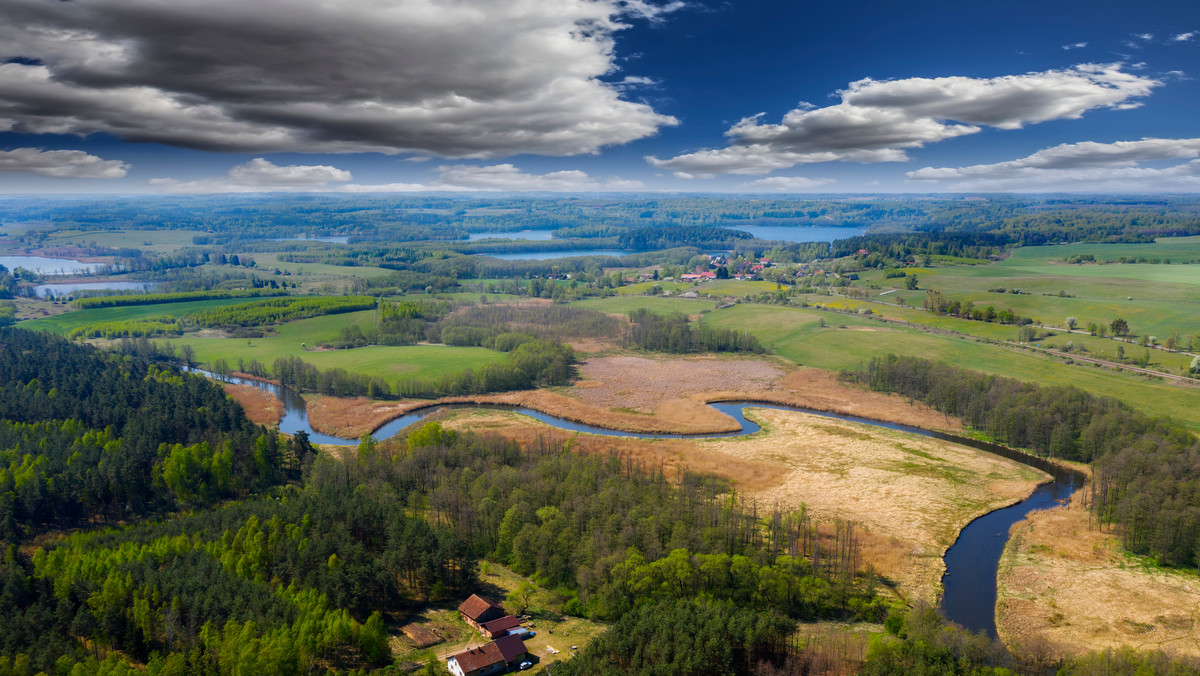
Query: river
x,y
972,562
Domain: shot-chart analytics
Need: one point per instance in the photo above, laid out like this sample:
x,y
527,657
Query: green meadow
x,y
63,324
1155,299
300,339
796,334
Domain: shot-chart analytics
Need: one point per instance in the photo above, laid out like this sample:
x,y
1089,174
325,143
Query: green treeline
x,y
90,437
180,297
277,310
676,333
131,328
682,638
667,237
1146,471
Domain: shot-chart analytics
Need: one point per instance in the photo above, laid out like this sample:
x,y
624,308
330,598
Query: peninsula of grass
x,y
301,339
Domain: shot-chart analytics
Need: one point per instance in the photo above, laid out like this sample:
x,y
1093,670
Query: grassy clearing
x,y
552,629
393,364
63,324
796,334
625,304
1069,589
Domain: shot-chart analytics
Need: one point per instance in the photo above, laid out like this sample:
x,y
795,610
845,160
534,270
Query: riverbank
x,y
1066,588
655,396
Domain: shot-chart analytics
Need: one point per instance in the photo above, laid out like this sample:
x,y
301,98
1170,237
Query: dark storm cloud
x,y
469,78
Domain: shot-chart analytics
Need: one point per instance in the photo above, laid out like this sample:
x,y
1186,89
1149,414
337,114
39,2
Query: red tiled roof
x,y
511,647
476,606
478,658
503,624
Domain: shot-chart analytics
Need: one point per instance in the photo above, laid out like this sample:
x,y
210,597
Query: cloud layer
x,y
877,121
453,78
1082,166
60,163
261,175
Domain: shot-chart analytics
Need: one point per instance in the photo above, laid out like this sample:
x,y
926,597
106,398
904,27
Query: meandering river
x,y
971,563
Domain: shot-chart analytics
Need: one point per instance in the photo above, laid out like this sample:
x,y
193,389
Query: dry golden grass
x,y
351,417
642,394
262,408
672,456
1067,589
913,494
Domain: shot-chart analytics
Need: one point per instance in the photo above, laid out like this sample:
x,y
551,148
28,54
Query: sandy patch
x,y
1068,589
262,408
913,493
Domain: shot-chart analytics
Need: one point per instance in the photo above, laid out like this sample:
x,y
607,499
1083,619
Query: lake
x,y
48,266
534,235
46,290
799,233
546,255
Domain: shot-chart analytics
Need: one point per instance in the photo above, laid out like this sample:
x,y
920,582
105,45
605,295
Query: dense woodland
x,y
1146,472
678,334
88,437
296,572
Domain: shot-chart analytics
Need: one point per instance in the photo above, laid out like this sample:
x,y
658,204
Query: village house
x,y
494,658
477,611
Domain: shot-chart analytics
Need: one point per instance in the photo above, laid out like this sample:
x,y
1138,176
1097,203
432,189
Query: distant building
x,y
477,611
494,658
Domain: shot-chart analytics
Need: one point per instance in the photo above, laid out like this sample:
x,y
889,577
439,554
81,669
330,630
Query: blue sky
x,y
598,95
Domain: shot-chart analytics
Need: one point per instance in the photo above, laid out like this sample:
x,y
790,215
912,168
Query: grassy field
x,y
64,323
1097,347
796,334
392,363
1156,299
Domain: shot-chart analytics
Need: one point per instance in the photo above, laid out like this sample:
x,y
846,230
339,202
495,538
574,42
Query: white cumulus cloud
x,y
877,121
61,163
1090,166
1184,37
448,78
260,175
1076,45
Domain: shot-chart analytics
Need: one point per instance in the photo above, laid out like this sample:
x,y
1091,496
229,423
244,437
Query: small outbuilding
x,y
478,611
500,627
